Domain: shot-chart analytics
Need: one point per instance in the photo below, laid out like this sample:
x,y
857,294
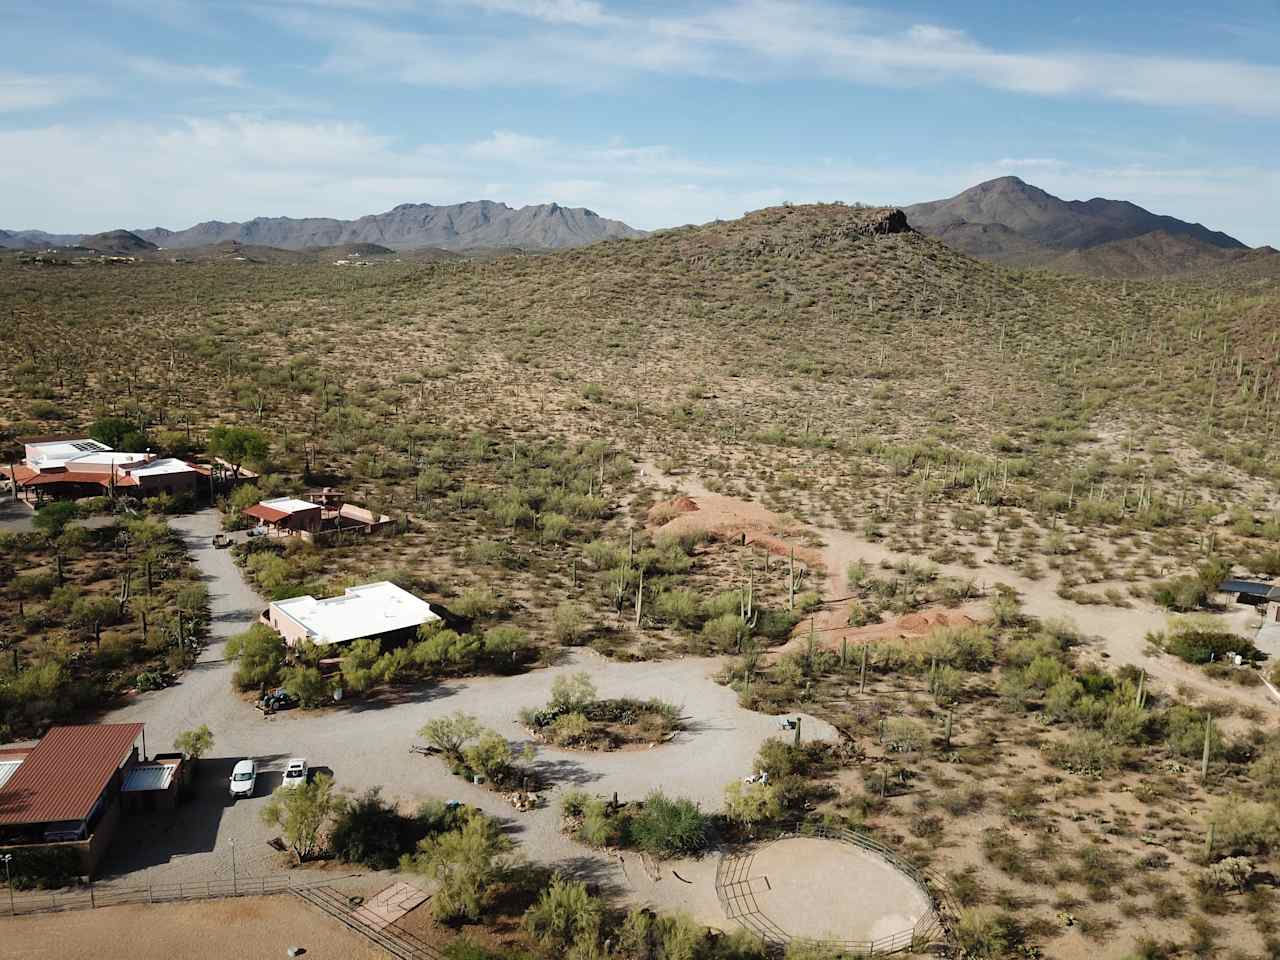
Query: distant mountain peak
x,y
1035,227
407,226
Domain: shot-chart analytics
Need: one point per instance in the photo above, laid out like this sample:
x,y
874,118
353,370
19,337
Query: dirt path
x,y
1120,631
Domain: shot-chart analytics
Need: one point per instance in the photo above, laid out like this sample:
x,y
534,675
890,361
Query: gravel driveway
x,y
367,744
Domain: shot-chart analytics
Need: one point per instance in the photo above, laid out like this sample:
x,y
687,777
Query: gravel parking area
x,y
367,744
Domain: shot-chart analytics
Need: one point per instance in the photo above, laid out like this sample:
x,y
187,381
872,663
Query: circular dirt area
x,y
817,889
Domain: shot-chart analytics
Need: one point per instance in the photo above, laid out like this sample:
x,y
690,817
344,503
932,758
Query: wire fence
x,y
737,897
391,937
92,895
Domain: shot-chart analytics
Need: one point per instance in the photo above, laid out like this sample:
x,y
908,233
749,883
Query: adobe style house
x,y
287,515
68,791
71,467
373,610
316,516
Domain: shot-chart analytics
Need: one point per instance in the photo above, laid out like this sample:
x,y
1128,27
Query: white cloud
x,y
579,12
166,71
18,92
748,40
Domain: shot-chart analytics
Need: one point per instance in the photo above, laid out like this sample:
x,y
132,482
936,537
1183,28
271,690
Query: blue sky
x,y
143,112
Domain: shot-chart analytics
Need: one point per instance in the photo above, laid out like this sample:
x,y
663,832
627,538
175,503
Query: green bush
x,y
306,685
371,832
44,868
564,915
670,828
259,653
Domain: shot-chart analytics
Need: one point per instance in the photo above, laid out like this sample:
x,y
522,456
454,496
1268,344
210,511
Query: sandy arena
x,y
827,890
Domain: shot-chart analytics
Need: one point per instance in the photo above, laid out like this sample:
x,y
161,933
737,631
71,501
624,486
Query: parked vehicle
x,y
221,541
276,699
295,773
244,777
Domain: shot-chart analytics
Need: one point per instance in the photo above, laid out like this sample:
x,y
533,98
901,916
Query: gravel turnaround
x,y
366,744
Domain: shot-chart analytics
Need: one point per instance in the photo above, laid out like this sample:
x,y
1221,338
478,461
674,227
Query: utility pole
x,y
7,858
235,890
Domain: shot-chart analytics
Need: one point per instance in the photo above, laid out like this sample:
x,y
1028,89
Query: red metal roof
x,y
62,778
269,514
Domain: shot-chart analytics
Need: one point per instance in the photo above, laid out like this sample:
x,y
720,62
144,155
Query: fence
x,y
395,940
93,895
739,903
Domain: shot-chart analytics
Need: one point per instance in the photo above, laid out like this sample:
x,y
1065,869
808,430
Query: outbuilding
x,y
373,610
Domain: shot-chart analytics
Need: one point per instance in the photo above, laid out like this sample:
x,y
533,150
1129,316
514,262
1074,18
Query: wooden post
x,y
1208,840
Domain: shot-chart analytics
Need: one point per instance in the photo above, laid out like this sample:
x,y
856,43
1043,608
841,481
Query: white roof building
x,y
49,453
289,504
364,611
165,465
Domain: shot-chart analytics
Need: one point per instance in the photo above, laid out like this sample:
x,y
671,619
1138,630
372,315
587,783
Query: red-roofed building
x,y
65,792
69,467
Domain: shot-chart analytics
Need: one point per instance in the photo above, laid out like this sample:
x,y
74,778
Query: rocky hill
x,y
116,241
1010,221
462,226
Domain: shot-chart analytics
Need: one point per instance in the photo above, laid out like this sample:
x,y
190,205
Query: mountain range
x,y
409,226
1005,220
1009,221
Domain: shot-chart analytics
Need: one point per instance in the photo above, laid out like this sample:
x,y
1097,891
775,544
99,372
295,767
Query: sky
x,y
138,113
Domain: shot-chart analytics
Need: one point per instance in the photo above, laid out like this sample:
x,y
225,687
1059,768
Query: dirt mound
x,y
683,504
929,619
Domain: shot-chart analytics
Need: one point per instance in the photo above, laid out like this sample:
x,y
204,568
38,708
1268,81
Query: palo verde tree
x,y
238,446
303,813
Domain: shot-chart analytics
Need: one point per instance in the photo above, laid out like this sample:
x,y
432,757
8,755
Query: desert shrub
x,y
564,915
601,827
306,685
1194,643
259,655
490,757
477,602
1087,753
981,933
45,868
670,828
572,692
749,804
451,734
371,832
358,661
569,623
505,646
445,649
570,729
466,865
1244,827
904,735
680,606
1184,728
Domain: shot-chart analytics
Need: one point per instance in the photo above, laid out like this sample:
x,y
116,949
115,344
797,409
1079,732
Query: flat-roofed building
x,y
373,610
67,467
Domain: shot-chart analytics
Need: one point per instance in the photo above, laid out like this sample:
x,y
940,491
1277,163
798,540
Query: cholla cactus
x,y
1233,872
